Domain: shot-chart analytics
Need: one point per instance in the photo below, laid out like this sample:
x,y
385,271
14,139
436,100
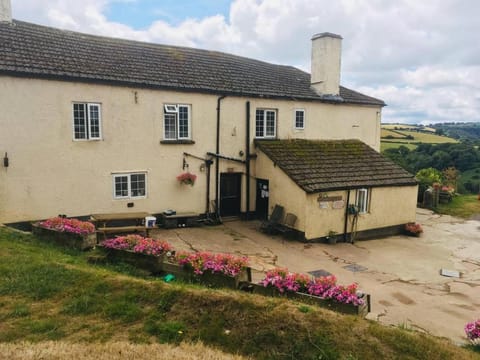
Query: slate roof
x,y
38,51
318,166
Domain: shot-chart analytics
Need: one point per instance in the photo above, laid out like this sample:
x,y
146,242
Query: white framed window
x,y
362,200
299,119
87,121
265,123
176,122
130,185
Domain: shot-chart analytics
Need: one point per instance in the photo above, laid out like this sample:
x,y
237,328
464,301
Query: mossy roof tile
x,y
318,166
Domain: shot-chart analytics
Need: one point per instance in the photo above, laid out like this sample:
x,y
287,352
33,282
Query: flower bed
x,y
472,330
413,229
322,291
215,270
67,232
138,251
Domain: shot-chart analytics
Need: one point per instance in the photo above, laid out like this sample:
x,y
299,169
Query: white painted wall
x,y
52,174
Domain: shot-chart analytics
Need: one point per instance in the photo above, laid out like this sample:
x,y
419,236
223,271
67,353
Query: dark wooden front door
x,y
262,199
230,194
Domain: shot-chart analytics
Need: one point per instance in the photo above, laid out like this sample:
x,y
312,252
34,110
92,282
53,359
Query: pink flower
x,y
138,244
187,178
323,287
74,226
215,263
472,330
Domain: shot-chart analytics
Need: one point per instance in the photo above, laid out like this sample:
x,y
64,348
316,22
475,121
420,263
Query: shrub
x,y
74,226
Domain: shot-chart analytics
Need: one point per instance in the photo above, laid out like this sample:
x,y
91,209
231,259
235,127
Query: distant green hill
x,y
460,131
395,135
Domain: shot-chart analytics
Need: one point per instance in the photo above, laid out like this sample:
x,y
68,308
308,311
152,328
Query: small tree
x,y
429,176
451,176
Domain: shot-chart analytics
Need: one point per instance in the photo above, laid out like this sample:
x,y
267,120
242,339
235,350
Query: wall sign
x,y
323,204
339,204
323,198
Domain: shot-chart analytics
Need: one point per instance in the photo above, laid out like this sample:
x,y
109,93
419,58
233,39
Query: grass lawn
x,y
48,293
406,126
392,144
427,138
462,206
394,134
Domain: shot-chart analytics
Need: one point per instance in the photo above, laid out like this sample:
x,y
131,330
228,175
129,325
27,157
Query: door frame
x,y
236,212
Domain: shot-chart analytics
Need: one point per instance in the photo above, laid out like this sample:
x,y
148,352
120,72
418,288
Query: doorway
x,y
230,194
261,209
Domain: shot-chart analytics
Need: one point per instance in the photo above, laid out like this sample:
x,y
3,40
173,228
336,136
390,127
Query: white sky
x,y
422,57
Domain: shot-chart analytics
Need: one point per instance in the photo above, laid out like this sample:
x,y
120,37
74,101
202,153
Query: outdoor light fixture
x,y
5,160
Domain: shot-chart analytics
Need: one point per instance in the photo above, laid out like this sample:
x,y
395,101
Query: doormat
x,y
355,268
319,273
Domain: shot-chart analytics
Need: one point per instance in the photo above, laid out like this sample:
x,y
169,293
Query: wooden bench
x,y
103,223
186,219
120,229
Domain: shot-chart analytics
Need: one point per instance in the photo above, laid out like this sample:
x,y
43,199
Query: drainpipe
x,y
217,151
208,164
247,158
346,217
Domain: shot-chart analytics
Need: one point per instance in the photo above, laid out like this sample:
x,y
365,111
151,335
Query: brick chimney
x,y
5,11
326,59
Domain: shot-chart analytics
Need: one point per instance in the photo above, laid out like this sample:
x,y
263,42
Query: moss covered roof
x,y
318,166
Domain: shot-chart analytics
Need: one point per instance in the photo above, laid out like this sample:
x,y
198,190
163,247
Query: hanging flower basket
x,y
187,178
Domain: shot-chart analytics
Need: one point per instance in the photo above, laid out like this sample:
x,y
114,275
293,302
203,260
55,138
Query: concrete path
x,y
401,273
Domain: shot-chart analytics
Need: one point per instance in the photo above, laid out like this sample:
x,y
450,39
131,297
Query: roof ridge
x,y
28,49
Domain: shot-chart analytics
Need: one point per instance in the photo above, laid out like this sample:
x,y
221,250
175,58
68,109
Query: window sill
x,y
172,142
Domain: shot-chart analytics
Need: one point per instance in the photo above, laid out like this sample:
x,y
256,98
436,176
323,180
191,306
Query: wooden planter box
x,y
151,263
361,310
215,280
81,242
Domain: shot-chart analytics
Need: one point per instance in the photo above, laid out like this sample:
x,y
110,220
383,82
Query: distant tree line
x,y
460,131
460,156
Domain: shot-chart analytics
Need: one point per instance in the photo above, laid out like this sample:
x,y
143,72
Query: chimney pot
x,y
326,61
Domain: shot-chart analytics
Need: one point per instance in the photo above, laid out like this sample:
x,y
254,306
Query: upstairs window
x,y
129,186
362,200
299,120
87,121
265,123
176,122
